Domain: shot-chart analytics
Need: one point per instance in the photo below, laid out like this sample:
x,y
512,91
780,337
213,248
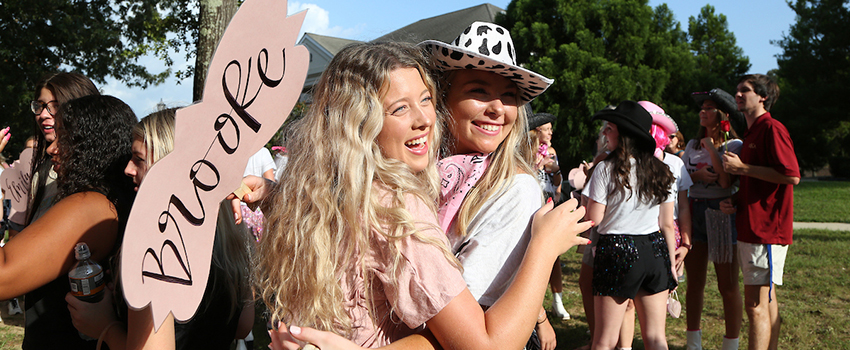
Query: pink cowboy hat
x,y
660,117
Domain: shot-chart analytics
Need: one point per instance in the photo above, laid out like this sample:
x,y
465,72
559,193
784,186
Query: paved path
x,y
837,226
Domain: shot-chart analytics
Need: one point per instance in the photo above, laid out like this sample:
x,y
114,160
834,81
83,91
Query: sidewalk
x,y
836,226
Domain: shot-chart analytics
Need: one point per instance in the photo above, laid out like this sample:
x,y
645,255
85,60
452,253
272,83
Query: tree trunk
x,y
214,17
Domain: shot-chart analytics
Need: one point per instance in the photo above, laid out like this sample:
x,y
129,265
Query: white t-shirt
x,y
696,159
683,179
624,214
279,164
497,238
259,163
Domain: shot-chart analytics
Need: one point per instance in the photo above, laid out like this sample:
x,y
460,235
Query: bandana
x,y
459,175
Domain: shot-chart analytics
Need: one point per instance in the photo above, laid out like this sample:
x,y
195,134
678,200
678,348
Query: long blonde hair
x,y
328,205
231,248
512,157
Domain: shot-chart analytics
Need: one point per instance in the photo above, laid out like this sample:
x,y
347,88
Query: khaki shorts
x,y
757,269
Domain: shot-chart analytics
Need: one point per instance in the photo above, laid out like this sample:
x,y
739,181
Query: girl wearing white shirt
x,y
629,192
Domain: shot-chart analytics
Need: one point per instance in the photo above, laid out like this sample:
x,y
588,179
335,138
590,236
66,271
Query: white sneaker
x,y
558,307
14,308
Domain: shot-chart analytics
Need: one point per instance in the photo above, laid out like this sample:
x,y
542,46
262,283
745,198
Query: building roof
x,y
443,27
331,44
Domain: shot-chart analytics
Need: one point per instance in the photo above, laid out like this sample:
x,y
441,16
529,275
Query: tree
x,y
814,68
718,63
99,38
215,15
599,53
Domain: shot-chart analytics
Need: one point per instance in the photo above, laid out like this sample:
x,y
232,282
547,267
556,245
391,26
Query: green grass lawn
x,y
814,302
822,201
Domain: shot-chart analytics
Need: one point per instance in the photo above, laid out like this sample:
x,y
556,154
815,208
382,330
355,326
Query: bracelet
x,y
103,333
686,245
544,320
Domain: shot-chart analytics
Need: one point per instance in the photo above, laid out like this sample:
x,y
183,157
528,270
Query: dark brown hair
x,y
64,86
764,86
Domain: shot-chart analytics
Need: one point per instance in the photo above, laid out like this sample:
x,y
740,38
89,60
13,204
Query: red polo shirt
x,y
766,209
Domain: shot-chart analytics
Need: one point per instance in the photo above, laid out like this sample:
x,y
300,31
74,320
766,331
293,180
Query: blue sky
x,y
754,22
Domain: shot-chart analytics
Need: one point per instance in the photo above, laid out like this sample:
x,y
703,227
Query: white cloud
x,y
318,21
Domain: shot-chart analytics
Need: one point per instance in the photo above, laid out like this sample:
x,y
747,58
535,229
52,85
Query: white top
x,y
279,164
259,163
624,214
683,179
497,238
696,159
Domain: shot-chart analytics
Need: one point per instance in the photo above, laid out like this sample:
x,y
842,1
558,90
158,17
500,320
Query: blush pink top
x,y
428,283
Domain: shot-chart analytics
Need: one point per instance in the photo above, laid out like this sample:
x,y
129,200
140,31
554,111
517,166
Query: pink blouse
x,y
428,283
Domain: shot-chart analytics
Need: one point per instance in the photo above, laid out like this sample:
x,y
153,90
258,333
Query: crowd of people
x,y
428,212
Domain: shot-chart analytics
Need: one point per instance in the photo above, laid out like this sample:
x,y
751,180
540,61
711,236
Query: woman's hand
x,y
707,143
728,207
704,175
4,137
259,187
681,252
91,318
547,337
558,228
287,338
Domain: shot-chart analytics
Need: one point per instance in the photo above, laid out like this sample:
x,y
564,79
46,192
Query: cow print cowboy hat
x,y
488,47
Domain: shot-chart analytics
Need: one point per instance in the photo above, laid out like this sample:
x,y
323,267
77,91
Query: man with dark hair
x,y
768,169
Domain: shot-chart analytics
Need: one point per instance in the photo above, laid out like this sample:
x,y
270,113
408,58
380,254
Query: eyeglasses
x,y
715,110
673,136
52,107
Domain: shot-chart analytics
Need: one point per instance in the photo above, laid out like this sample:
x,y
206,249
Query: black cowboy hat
x,y
632,120
538,119
726,103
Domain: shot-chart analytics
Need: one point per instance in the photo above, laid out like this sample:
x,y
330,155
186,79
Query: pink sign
x,y
254,80
16,184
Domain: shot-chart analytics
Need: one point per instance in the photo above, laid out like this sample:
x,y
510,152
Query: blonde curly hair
x,y
328,206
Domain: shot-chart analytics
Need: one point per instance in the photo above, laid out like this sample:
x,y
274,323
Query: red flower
x,y
724,126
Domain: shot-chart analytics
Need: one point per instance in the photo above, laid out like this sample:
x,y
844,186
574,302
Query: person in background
x,y
630,194
226,311
549,176
91,144
769,171
714,234
677,144
262,165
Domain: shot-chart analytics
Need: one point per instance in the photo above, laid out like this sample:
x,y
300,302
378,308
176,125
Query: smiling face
x,y
137,167
483,107
409,117
44,119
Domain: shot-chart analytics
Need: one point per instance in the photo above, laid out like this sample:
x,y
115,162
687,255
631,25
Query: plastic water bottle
x,y
86,276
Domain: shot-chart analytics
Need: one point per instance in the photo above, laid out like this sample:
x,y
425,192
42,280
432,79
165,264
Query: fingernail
x,y
295,330
549,200
589,241
592,223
